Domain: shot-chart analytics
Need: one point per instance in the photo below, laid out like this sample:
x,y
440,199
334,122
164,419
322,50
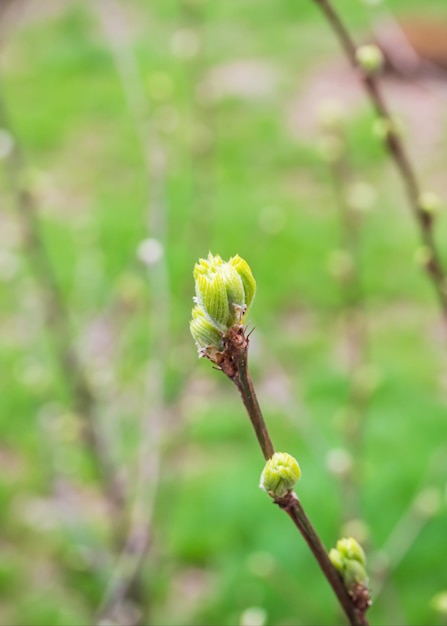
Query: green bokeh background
x,y
237,180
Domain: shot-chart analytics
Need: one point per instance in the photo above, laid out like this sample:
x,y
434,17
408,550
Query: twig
x,y
398,153
294,509
244,383
128,567
233,362
57,320
125,579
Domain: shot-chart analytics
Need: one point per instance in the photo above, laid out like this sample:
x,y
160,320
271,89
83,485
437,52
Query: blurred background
x,y
134,138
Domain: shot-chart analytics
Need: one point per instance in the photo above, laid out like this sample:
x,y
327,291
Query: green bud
x,y
280,475
350,549
349,560
223,290
384,128
429,202
369,58
354,573
249,283
336,559
204,333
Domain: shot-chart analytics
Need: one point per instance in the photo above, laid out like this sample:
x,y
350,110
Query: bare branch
x,y
56,316
398,153
128,567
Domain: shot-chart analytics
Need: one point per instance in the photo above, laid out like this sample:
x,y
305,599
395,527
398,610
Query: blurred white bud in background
x,y
150,251
253,616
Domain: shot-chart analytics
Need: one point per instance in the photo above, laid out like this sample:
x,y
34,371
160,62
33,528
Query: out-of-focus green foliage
x,y
261,191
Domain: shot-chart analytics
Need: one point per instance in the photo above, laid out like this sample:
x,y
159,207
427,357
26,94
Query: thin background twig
x,y
57,322
128,567
398,153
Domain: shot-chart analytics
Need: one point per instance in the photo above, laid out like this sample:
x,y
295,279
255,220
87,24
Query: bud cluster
x,y
349,559
224,293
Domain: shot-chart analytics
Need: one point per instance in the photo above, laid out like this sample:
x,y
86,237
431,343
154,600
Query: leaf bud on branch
x,y
280,475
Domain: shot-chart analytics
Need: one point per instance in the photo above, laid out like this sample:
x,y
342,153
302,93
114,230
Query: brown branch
x,y
233,362
294,509
398,154
243,382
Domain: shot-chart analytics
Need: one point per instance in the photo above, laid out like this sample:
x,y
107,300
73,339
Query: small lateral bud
x,y
384,128
369,58
349,560
429,202
280,475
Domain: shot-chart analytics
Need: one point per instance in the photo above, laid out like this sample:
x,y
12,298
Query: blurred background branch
x,y
56,317
152,252
399,154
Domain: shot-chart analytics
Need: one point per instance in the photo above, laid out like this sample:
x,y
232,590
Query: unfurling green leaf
x,y
224,292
